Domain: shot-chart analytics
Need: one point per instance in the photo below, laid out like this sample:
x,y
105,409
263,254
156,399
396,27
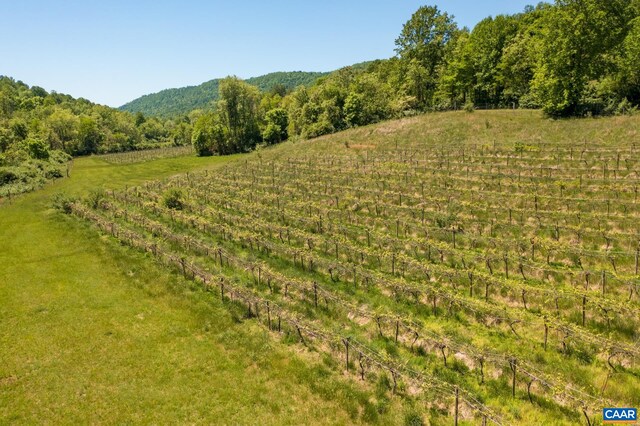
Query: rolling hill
x,y
173,102
480,267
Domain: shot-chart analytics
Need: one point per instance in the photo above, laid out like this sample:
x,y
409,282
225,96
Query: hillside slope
x,y
96,333
486,258
172,102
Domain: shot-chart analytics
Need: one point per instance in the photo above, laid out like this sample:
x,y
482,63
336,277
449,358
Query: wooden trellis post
x,y
268,315
300,334
182,263
513,364
397,329
346,347
379,327
315,294
456,411
506,266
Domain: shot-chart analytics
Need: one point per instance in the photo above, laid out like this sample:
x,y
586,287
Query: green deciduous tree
x,y
208,136
578,37
89,136
628,79
64,128
456,73
424,40
425,36
139,118
181,133
487,42
238,109
37,148
277,123
19,129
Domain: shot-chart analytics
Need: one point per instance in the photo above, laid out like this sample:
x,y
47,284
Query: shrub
x,y
202,143
469,107
173,199
60,157
272,134
37,149
63,203
53,173
7,176
625,108
277,122
413,419
94,198
322,127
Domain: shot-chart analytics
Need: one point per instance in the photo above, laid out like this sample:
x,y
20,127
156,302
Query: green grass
x,y
96,332
93,332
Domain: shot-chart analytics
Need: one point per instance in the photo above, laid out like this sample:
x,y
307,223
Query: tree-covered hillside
x,y
40,130
571,58
181,101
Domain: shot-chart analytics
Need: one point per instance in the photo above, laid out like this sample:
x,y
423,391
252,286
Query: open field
x,y
140,156
375,275
96,333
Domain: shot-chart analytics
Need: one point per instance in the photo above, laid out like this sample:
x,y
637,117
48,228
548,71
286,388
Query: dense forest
x,y
573,58
174,102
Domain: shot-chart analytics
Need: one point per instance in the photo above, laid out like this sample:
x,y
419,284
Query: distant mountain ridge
x,y
179,101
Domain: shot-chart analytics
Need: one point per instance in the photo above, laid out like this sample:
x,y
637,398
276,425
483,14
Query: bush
x,y
276,129
7,176
322,127
529,101
173,199
469,107
94,198
37,149
53,173
59,157
413,419
202,143
63,203
272,134
625,108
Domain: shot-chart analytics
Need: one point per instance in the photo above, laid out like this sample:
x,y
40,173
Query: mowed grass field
x,y
94,331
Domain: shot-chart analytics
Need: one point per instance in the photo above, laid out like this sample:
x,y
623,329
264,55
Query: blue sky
x,y
113,51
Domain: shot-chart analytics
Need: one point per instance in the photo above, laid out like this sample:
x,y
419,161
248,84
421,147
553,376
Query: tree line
x,y
571,58
40,130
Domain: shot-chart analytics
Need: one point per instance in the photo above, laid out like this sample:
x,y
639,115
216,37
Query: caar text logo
x,y
619,415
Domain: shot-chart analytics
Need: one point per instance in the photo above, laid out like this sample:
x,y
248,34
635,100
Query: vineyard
x,y
482,277
139,156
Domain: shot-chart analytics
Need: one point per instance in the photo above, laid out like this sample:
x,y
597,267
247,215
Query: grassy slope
x,y
502,127
94,332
